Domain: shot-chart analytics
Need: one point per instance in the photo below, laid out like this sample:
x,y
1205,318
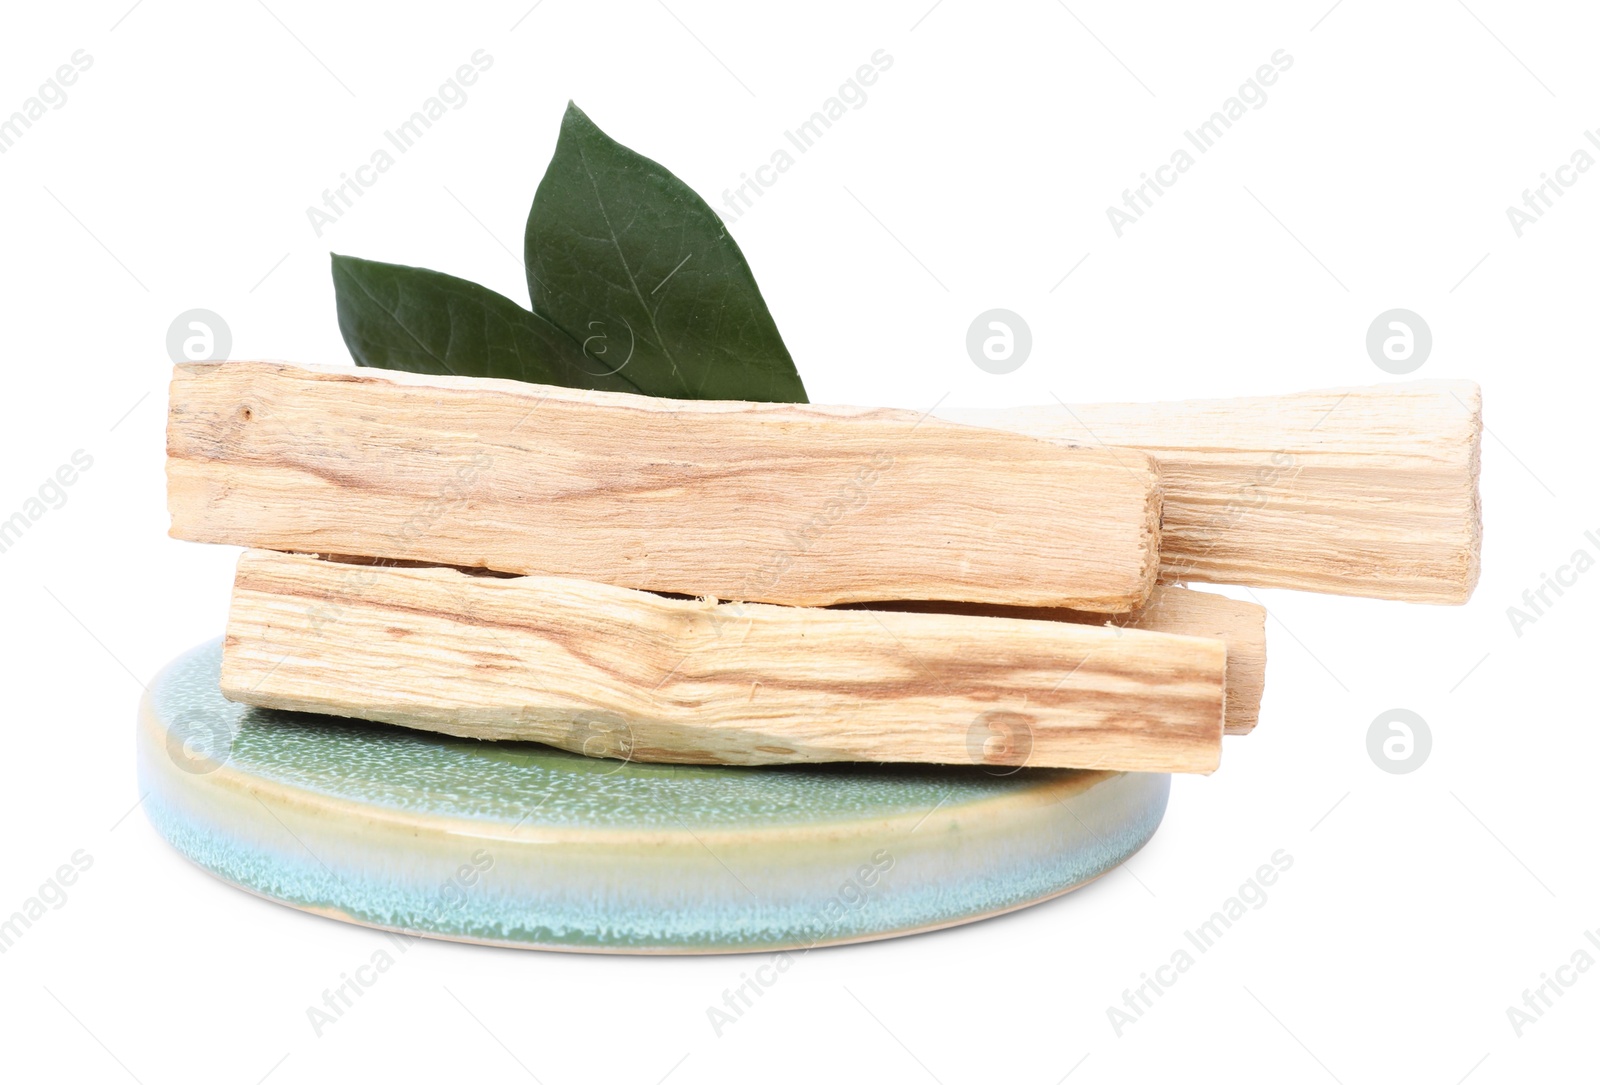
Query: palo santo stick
x,y
1238,624
616,672
753,501
1353,491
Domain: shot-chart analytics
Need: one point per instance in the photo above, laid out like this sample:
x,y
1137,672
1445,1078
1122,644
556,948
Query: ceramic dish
x,y
518,844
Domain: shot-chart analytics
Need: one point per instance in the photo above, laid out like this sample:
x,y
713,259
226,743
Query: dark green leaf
x,y
630,261
421,321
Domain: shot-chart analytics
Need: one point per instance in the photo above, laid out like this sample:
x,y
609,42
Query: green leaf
x,y
629,260
421,321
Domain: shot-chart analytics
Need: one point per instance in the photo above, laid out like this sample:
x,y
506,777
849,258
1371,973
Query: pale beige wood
x,y
774,502
1351,491
616,672
1240,625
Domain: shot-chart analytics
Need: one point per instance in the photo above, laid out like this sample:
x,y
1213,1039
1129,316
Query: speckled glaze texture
x,y
523,845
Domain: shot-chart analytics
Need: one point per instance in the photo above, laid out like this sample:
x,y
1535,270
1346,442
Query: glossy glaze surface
x,y
524,845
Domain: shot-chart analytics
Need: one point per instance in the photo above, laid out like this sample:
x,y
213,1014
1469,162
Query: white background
x,y
977,174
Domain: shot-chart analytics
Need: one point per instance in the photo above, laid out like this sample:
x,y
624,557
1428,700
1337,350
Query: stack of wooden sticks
x,y
751,583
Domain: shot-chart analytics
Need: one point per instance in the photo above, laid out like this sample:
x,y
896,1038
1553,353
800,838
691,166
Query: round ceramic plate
x,y
519,844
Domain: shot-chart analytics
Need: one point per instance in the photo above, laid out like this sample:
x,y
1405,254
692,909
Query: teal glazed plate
x,y
518,844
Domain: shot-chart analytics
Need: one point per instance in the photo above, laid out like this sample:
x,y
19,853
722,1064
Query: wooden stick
x,y
1238,624
616,672
774,502
1353,491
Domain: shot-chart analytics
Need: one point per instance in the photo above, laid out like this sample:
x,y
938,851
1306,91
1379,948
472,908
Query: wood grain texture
x,y
1170,609
1353,491
781,503
614,672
